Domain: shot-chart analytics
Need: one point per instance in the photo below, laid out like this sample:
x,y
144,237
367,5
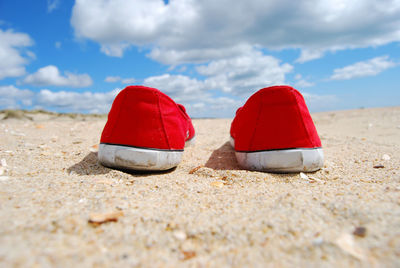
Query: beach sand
x,y
59,207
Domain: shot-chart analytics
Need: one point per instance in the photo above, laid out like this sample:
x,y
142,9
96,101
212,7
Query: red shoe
x,y
146,130
274,132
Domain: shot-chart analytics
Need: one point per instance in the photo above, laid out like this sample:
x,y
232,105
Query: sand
x,y
59,207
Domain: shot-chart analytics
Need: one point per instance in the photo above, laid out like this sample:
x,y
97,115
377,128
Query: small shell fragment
x,y
386,157
304,176
99,218
318,241
217,184
193,170
188,255
379,166
347,244
180,235
360,231
3,162
4,178
94,148
309,179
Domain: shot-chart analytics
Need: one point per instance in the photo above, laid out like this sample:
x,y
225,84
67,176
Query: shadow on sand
x,y
223,158
90,165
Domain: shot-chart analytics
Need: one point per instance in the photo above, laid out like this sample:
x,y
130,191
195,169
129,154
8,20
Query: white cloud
x,y
179,87
113,79
195,95
58,44
114,50
319,102
13,98
13,53
76,101
128,80
238,77
61,101
198,102
197,55
370,67
301,82
205,31
244,74
50,76
221,107
310,54
52,5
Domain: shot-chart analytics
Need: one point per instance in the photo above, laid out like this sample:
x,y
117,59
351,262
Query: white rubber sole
x,y
282,161
133,158
124,157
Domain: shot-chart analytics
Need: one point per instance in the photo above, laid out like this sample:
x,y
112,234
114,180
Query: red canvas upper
x,y
274,118
145,117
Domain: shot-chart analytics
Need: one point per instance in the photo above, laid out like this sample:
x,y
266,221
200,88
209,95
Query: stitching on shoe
x,y
186,117
162,119
302,119
125,93
280,149
257,123
145,148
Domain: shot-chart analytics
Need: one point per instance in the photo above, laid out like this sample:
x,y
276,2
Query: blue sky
x,y
75,56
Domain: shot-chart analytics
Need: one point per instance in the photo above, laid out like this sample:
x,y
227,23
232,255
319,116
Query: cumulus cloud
x,y
310,54
180,87
128,80
114,79
302,82
204,30
87,102
237,77
197,55
13,53
221,107
60,101
198,101
244,74
195,95
52,5
370,67
13,98
51,76
319,102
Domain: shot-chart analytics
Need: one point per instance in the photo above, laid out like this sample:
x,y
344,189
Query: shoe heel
x,y
125,157
282,161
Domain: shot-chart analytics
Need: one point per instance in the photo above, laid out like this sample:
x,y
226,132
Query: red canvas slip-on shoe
x,y
145,130
274,132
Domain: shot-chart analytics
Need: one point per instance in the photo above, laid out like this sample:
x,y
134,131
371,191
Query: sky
x,y
211,56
